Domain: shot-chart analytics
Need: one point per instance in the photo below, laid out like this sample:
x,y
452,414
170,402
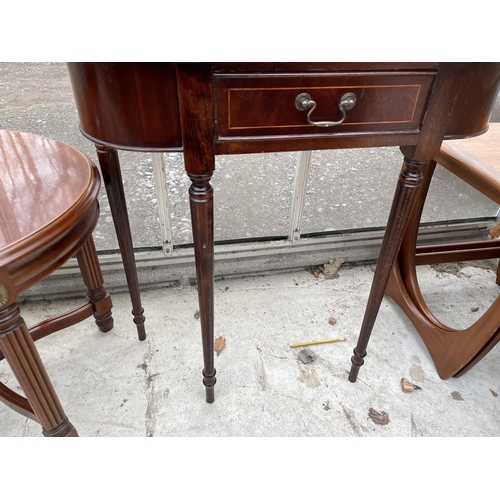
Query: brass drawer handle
x,y
303,102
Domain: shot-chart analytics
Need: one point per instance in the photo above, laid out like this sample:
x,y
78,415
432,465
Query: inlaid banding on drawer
x,y
260,105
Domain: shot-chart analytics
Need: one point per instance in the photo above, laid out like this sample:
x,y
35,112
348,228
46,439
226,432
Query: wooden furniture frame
x,y
205,109
454,352
48,210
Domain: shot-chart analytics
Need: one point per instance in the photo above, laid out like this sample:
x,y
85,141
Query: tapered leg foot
x,y
201,201
209,382
410,180
139,320
357,362
96,293
112,177
210,394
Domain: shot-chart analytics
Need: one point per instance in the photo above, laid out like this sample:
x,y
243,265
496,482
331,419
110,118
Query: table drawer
x,y
265,104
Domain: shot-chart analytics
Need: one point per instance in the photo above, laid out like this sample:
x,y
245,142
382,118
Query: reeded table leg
x,y
111,174
92,277
410,179
196,109
21,354
202,208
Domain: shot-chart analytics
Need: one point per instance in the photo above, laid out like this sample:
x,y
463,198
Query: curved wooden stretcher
x,y
454,352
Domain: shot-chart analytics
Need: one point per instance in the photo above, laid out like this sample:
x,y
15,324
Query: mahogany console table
x,y
206,109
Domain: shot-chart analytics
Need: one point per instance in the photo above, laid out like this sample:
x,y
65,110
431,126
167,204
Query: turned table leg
x,y
432,132
197,125
201,201
410,179
23,358
93,280
112,177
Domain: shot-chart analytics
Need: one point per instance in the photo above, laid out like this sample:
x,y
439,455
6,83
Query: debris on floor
x,y
407,386
474,309
332,320
454,268
317,270
316,342
495,394
494,234
326,406
331,269
380,418
457,396
307,356
219,344
196,315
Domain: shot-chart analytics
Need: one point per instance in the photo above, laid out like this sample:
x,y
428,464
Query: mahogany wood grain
x,y
99,304
112,178
476,98
134,106
128,105
197,125
456,100
453,351
42,222
48,209
92,277
476,161
58,323
411,178
263,105
457,252
313,142
409,243
21,354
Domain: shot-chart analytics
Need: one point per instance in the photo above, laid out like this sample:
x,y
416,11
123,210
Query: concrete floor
x,y
113,385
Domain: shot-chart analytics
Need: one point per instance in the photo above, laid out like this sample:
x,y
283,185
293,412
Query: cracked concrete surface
x,y
114,385
155,394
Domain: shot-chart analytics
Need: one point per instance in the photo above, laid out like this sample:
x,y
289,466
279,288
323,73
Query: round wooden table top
x,y
48,202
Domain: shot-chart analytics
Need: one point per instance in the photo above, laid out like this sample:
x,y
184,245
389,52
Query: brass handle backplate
x,y
304,102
